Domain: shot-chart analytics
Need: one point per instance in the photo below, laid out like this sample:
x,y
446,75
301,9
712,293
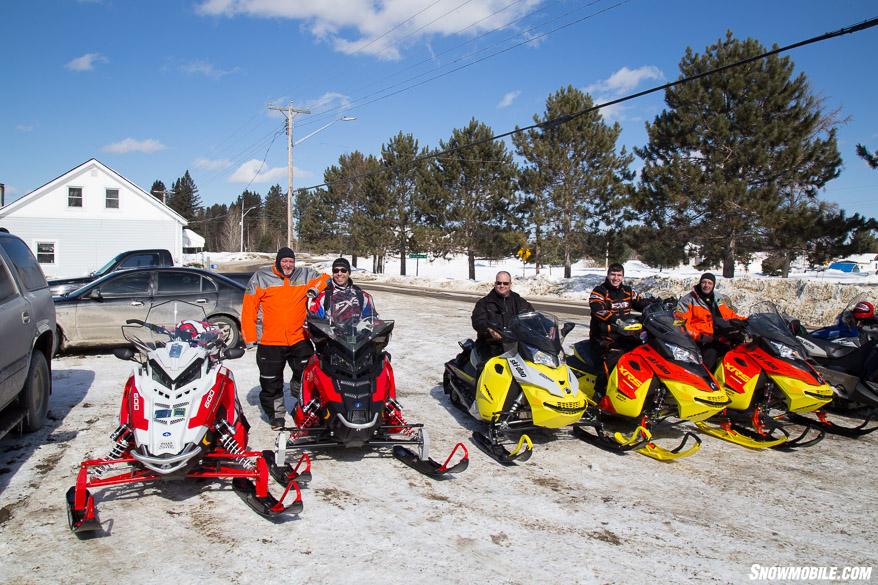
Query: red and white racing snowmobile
x,y
348,398
180,418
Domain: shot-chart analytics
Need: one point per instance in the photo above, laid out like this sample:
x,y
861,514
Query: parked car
x,y
27,323
129,259
94,314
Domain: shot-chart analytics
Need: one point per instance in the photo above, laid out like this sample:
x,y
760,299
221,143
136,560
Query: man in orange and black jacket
x,y
273,316
702,312
609,301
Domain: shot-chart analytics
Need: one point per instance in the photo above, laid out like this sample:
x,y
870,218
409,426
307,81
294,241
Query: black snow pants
x,y
271,360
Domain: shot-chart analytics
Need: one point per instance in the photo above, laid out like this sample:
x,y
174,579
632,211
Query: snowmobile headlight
x,y
785,351
159,375
681,354
541,357
190,374
336,360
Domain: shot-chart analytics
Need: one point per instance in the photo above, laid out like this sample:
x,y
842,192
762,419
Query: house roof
x,y
92,162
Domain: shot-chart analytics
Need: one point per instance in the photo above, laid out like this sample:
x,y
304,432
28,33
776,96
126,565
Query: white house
x,y
77,222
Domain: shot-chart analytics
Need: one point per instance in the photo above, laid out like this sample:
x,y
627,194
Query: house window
x,y
74,197
46,252
112,199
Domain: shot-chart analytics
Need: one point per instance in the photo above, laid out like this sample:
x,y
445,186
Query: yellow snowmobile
x,y
528,386
767,378
662,381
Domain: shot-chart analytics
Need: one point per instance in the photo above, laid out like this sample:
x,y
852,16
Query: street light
x,y
242,224
289,111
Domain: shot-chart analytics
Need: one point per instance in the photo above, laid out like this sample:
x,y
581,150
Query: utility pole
x,y
288,111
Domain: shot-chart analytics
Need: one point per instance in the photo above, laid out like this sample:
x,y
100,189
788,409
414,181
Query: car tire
x,y
230,332
35,396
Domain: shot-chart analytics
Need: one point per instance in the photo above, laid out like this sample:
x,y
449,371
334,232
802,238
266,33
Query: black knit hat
x,y
341,263
281,254
708,276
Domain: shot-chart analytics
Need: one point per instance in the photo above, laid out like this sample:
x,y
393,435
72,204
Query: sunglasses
x,y
502,283
337,270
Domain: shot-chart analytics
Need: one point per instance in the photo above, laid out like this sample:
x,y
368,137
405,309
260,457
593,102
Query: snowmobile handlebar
x,y
150,326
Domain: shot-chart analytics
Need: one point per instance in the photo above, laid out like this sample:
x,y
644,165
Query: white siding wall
x,y
87,244
85,238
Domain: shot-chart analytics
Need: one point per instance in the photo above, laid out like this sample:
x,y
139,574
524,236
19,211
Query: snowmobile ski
x,y
659,453
521,453
617,443
260,499
428,466
284,473
742,436
830,427
83,518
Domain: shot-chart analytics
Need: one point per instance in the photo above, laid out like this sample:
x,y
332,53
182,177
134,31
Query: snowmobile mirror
x,y
123,353
233,353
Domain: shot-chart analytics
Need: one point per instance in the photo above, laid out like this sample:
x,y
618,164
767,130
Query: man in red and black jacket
x,y
609,301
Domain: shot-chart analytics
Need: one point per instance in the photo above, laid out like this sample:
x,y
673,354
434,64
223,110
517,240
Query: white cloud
x,y
147,146
618,84
250,171
508,98
206,164
330,99
624,80
25,127
206,69
86,62
376,27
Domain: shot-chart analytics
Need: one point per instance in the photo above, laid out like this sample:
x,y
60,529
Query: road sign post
x,y
417,258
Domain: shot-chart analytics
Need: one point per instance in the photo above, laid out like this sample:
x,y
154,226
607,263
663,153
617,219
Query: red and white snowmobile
x,y
348,398
180,418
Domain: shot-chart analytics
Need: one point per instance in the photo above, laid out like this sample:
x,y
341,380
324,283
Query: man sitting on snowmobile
x,y
493,313
342,299
706,316
609,302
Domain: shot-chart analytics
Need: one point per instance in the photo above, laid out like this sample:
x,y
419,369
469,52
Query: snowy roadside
x,y
572,514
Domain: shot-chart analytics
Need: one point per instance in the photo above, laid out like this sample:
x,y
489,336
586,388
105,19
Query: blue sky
x,y
155,88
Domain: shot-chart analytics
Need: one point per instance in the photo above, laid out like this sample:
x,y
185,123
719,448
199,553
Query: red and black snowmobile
x,y
348,398
180,419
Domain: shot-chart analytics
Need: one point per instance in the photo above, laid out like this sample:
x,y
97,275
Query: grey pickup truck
x,y
27,323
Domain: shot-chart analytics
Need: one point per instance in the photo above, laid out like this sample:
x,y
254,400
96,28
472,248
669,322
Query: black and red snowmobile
x,y
348,398
180,419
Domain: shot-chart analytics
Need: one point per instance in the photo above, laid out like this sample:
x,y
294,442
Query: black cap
x,y
281,254
708,276
341,263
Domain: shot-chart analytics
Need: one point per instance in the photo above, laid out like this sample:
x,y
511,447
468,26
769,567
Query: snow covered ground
x,y
573,514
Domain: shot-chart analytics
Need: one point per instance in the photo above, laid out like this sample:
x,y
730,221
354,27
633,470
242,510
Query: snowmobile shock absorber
x,y
120,439
310,411
230,444
396,419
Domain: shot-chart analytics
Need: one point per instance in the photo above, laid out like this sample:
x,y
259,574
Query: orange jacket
x,y
696,315
273,312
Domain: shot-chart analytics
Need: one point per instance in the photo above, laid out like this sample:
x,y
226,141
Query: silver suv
x,y
27,338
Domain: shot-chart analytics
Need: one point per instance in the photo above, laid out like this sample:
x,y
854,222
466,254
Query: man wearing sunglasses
x,y
273,316
493,313
342,299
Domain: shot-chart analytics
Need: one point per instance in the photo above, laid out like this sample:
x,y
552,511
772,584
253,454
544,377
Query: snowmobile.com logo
x,y
760,573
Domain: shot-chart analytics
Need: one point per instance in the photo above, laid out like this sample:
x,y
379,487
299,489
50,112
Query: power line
x,y
866,24
320,116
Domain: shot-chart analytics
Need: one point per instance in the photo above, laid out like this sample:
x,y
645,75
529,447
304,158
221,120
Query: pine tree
x,y
275,215
158,190
185,199
577,180
733,148
870,158
478,184
403,176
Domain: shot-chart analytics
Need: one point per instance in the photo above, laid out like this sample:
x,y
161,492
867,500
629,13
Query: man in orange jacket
x,y
273,316
701,311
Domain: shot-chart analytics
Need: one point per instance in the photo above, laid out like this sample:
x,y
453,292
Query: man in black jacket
x,y
609,301
493,313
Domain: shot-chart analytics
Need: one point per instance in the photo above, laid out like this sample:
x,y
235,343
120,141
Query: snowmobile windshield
x,y
539,330
766,321
160,326
659,322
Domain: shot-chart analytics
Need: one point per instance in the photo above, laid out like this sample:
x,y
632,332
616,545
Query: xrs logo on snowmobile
x,y
631,378
744,378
